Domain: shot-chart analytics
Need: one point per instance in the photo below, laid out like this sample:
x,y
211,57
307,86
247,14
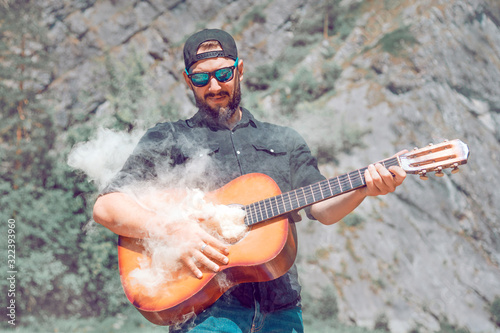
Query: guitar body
x,y
266,252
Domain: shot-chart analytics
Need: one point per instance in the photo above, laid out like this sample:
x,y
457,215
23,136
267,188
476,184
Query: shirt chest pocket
x,y
270,149
185,154
272,159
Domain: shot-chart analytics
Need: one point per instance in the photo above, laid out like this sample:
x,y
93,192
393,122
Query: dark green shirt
x,y
205,155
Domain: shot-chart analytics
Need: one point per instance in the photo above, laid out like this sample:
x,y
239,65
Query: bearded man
x,y
232,143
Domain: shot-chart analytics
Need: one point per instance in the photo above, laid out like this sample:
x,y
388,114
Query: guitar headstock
x,y
435,158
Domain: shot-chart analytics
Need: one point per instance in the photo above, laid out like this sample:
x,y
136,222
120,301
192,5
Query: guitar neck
x,y
285,203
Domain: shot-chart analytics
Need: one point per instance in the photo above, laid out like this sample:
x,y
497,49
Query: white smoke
x,y
186,206
102,157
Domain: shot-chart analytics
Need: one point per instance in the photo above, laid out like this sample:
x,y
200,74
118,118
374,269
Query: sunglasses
x,y
222,75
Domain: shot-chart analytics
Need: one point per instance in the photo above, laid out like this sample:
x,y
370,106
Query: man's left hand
x,y
380,180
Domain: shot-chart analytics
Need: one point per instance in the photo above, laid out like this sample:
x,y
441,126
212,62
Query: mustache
x,y
222,93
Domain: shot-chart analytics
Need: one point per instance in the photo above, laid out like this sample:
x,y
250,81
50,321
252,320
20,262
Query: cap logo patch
x,y
212,54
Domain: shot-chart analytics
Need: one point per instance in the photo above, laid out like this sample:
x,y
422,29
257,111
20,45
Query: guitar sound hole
x,y
233,230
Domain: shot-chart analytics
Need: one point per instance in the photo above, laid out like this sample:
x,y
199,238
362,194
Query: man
x,y
235,143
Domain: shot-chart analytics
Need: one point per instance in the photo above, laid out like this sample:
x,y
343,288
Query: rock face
x,y
428,253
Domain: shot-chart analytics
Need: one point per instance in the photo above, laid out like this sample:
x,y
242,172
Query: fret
x,y
272,202
285,209
280,204
263,205
317,192
250,215
263,208
356,180
326,188
340,185
349,177
362,177
336,188
344,181
302,202
247,218
307,194
258,212
255,212
288,208
330,186
296,198
318,185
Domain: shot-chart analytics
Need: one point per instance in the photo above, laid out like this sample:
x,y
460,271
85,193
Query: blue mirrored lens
x,y
224,74
200,79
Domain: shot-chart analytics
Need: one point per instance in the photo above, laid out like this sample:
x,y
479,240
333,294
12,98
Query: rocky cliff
x,y
403,74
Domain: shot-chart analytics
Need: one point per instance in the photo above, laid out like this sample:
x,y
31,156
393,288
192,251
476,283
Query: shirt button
x,y
272,150
238,152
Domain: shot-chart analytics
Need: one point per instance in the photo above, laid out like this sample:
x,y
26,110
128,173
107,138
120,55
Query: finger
x,y
376,176
205,261
379,180
387,183
211,252
399,174
368,181
191,264
373,181
216,244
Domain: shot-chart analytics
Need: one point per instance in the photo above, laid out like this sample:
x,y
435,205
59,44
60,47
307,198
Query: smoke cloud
x,y
102,157
169,197
186,206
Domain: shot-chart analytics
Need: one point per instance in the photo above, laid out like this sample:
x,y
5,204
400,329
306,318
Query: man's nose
x,y
213,84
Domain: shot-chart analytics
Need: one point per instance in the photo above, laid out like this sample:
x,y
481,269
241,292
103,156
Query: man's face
x,y
219,100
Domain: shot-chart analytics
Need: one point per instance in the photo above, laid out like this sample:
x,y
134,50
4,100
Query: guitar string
x,y
308,196
314,191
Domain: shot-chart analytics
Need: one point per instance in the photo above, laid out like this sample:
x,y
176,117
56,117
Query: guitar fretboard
x,y
285,203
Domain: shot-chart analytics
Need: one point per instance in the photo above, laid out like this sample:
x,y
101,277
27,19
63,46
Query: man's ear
x,y
240,68
187,79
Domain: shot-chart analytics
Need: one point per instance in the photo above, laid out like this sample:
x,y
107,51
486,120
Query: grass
x,y
131,321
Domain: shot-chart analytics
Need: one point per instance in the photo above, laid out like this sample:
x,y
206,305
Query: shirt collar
x,y
200,119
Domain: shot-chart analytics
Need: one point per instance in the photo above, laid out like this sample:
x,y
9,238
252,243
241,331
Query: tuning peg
x,y
423,175
431,144
439,172
455,168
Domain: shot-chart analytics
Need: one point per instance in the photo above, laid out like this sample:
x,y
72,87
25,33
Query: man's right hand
x,y
198,248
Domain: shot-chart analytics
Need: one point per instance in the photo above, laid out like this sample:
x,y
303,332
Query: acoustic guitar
x,y
268,248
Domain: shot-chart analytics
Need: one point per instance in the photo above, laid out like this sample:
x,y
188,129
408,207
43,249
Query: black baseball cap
x,y
225,40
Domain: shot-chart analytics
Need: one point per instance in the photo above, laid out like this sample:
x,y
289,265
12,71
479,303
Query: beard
x,y
221,114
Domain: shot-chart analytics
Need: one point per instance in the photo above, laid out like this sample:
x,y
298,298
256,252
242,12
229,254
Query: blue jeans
x,y
227,315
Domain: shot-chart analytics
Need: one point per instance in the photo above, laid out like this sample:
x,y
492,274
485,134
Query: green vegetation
x,y
495,311
382,323
396,41
61,271
254,15
263,77
353,220
130,94
323,308
67,262
447,327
